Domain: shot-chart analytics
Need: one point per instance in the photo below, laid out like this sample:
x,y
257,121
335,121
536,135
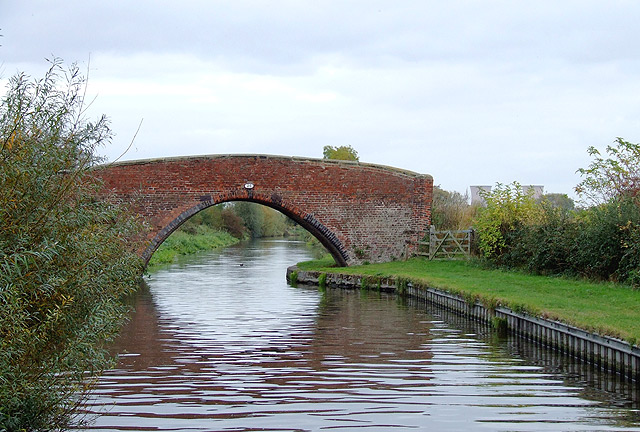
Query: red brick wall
x,y
360,212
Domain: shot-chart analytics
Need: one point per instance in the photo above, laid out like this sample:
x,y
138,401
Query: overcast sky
x,y
471,92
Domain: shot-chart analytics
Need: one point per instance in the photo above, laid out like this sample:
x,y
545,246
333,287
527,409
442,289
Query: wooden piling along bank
x,y
605,352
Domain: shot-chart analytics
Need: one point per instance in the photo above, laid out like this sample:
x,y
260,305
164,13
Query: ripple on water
x,y
216,346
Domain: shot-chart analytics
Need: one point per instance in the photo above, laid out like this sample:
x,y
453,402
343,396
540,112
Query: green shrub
x,y
544,247
607,244
402,284
451,210
364,283
66,259
500,325
601,243
322,280
293,278
507,209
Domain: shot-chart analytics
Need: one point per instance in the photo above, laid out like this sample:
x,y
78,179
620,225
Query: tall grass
x,y
183,243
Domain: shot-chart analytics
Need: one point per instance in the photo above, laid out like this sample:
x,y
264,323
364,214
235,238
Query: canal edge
x,y
606,352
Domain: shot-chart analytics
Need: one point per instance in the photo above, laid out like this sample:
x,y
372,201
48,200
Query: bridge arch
x,y
327,238
359,212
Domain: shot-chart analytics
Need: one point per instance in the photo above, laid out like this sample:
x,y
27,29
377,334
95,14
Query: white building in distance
x,y
477,192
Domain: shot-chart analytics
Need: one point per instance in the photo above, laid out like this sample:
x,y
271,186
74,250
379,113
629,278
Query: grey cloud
x,y
274,34
456,81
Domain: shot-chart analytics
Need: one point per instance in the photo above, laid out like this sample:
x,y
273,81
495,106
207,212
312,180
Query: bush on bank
x,y
600,242
66,259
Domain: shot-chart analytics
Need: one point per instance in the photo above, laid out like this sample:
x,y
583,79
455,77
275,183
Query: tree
x,y
274,223
340,153
451,210
66,257
616,176
559,201
251,215
612,185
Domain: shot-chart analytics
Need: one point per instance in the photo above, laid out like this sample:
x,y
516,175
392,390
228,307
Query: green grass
x,y
605,308
181,243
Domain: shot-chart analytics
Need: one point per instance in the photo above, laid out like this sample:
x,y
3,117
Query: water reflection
x,y
219,346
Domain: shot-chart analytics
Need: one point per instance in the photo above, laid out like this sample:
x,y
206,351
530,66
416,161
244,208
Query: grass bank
x,y
605,308
183,243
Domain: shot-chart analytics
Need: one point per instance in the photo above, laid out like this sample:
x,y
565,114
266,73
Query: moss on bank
x,y
183,243
606,308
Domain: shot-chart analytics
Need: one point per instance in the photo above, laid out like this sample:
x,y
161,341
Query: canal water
x,y
220,342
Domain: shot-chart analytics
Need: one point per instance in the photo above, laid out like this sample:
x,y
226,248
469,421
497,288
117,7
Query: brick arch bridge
x,y
359,212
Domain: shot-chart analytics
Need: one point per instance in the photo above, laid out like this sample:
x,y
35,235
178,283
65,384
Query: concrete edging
x,y
605,352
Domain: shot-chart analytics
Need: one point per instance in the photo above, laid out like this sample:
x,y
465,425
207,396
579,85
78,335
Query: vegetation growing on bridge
x,y
65,257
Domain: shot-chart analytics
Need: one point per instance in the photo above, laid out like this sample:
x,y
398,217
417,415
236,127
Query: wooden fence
x,y
448,244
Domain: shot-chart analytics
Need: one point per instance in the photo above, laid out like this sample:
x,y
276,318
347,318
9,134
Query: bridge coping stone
x,y
386,168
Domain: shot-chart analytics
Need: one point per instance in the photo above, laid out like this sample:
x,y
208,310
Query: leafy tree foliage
x,y
211,217
66,258
545,247
559,201
612,185
274,223
241,219
600,242
340,153
233,224
612,177
451,210
607,243
252,217
507,208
